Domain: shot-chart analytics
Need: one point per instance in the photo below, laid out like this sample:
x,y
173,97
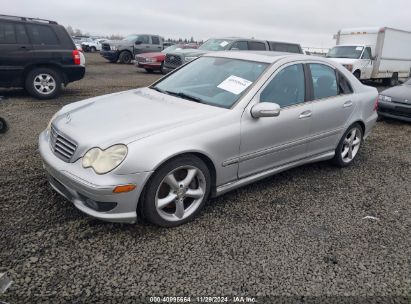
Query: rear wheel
x,y
3,125
125,57
176,192
348,146
43,83
357,74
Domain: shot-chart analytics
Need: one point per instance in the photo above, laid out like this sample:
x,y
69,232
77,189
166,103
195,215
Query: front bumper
x,y
88,190
110,55
149,65
395,110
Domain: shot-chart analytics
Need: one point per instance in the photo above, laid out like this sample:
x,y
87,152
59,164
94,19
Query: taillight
x,y
76,57
376,104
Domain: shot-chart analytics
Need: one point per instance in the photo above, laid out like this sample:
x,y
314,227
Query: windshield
x,y
131,37
215,45
214,81
175,47
353,52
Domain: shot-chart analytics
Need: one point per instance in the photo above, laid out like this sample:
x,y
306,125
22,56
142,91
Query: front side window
x,y
367,53
43,35
240,45
214,81
155,40
7,33
256,46
286,88
324,81
144,39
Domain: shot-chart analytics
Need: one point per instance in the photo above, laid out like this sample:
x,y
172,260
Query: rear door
x,y
15,52
270,142
257,46
333,104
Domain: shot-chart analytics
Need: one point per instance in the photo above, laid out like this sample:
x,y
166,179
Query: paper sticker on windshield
x,y
358,48
224,43
234,84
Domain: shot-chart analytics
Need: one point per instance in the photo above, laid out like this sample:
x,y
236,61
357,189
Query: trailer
x,y
377,53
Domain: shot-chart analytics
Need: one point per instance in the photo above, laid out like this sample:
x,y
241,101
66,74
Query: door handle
x,y
347,104
305,114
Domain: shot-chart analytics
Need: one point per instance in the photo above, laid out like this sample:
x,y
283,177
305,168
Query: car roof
x,y
261,56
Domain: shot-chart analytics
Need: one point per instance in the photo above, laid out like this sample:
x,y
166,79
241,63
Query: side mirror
x,y
138,42
265,109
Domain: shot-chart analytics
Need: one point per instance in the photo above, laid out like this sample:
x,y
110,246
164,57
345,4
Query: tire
x,y
181,207
162,68
3,125
348,142
43,83
357,74
125,57
149,70
391,82
93,49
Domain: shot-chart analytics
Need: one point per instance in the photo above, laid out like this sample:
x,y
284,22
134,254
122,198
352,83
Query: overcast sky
x,y
311,23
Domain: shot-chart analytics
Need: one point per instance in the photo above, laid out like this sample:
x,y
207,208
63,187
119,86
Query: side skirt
x,y
261,175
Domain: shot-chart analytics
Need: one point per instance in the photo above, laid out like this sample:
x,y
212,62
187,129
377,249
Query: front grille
x,y
404,101
173,60
105,47
398,111
62,147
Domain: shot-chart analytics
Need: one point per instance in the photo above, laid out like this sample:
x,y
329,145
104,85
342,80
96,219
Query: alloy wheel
x,y
180,193
351,145
44,84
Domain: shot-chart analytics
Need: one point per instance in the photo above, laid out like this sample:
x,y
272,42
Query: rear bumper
x,y
74,73
110,55
394,110
89,192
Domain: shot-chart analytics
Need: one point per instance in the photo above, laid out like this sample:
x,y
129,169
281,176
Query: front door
x,y
269,142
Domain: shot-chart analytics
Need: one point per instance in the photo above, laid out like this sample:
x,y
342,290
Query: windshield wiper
x,y
158,90
185,96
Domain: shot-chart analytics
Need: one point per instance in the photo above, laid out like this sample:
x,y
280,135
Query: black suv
x,y
38,55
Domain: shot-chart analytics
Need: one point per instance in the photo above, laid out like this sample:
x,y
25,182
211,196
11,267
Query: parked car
x,y
125,50
93,46
155,61
3,125
374,53
203,130
38,55
174,60
396,102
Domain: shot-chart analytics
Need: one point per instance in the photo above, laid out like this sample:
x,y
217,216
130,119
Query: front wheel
x,y
93,49
125,57
176,192
348,146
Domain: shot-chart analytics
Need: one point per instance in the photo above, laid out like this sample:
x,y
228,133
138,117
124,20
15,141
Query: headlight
x,y
51,121
113,47
384,98
104,161
151,59
187,59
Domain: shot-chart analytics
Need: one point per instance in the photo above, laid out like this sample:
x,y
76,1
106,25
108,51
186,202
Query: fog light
x,y
124,188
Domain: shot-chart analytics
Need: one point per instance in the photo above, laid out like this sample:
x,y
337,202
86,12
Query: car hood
x,y
128,116
399,93
151,55
191,52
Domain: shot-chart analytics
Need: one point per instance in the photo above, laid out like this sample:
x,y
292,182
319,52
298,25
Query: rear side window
x,y
7,33
344,86
240,45
324,81
42,34
286,88
285,47
256,46
155,40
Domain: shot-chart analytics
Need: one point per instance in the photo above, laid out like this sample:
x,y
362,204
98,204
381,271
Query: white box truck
x,y
374,53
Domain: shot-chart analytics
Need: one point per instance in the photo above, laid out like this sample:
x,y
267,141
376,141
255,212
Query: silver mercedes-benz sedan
x,y
220,122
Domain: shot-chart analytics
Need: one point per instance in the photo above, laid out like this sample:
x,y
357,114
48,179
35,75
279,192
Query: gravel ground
x,y
299,233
